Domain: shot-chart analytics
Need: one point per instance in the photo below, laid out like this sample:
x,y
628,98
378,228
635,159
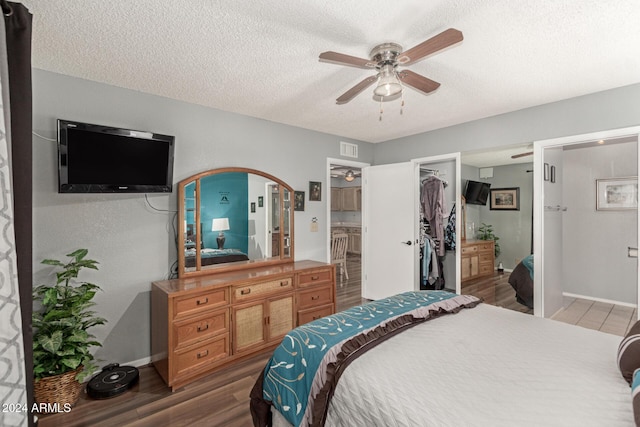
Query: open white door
x,y
389,226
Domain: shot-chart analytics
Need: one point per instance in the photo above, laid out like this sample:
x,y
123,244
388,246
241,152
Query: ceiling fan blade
x,y
351,93
434,44
342,59
417,81
517,156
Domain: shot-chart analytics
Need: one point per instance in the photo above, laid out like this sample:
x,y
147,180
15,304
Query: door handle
x,y
408,243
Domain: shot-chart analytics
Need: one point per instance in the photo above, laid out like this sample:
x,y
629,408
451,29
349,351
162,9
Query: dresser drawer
x,y
314,277
314,297
485,247
190,331
201,355
485,269
193,304
256,290
469,249
306,316
486,257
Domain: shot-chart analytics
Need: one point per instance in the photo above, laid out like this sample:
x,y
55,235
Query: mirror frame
x,y
238,265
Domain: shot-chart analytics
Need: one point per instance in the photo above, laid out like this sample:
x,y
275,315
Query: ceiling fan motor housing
x,y
385,53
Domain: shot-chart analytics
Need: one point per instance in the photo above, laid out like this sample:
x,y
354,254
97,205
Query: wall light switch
x,y
314,227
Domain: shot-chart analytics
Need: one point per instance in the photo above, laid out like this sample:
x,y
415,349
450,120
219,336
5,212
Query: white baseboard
x,y
139,362
607,301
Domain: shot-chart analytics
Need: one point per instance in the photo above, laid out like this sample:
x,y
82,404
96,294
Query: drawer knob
x,y
315,277
203,354
202,301
315,297
203,328
284,283
245,291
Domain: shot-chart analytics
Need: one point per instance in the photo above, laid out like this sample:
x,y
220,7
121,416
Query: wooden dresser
x,y
201,324
477,259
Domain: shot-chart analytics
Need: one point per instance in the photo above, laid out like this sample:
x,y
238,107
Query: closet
x,y
437,226
391,263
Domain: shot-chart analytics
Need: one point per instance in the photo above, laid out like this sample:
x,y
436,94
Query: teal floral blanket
x,y
300,377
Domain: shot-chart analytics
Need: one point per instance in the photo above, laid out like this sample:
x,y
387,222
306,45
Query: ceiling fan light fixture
x,y
349,176
388,83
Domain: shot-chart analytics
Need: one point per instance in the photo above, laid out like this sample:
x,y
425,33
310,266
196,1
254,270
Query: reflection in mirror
x,y
235,216
504,168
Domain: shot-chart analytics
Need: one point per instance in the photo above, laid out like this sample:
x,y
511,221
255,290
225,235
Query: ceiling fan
x,y
348,173
385,59
517,156
524,153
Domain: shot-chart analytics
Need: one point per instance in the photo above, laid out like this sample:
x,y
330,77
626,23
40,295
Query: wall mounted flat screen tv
x,y
103,159
476,193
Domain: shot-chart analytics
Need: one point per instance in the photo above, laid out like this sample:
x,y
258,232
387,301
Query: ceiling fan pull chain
x,y
402,102
380,119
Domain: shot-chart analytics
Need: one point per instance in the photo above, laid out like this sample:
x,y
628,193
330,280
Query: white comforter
x,y
486,366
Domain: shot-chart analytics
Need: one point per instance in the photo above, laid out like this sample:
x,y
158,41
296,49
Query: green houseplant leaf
x,y
485,232
61,318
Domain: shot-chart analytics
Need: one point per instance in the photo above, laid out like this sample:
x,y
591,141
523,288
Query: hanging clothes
x,y
450,231
433,205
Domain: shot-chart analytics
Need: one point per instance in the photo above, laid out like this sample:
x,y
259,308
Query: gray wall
x,y
134,243
596,265
612,109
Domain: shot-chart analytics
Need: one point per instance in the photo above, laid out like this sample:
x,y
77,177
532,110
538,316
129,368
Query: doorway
x,y
576,229
344,216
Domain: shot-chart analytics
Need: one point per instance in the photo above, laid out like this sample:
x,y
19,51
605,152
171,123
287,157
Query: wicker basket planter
x,y
60,389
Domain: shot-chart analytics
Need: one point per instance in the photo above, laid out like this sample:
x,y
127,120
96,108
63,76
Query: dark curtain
x,y
18,35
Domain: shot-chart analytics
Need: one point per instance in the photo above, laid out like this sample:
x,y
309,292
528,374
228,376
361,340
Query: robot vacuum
x,y
112,381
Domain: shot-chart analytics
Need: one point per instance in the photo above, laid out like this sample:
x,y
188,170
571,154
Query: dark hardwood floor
x,y
222,399
495,290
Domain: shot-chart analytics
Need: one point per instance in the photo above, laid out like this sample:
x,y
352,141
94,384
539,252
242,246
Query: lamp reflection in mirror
x,y
221,225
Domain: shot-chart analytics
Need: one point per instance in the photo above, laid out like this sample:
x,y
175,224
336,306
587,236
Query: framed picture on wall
x,y
315,191
505,199
298,200
617,194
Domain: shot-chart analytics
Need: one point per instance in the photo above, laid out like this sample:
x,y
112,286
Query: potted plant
x,y
61,342
485,232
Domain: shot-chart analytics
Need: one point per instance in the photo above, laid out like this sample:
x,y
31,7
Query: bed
x,y
432,359
213,256
521,280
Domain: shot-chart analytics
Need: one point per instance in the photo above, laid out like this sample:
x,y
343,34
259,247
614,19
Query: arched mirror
x,y
231,219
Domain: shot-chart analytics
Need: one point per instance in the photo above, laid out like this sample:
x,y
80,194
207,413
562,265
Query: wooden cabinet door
x,y
280,318
356,240
474,263
469,267
249,326
349,198
465,268
336,198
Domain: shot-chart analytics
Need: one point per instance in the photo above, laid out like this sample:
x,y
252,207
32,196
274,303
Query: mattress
x,y
485,366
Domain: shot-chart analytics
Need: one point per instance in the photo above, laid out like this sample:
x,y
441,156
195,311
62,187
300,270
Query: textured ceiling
x,y
261,58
